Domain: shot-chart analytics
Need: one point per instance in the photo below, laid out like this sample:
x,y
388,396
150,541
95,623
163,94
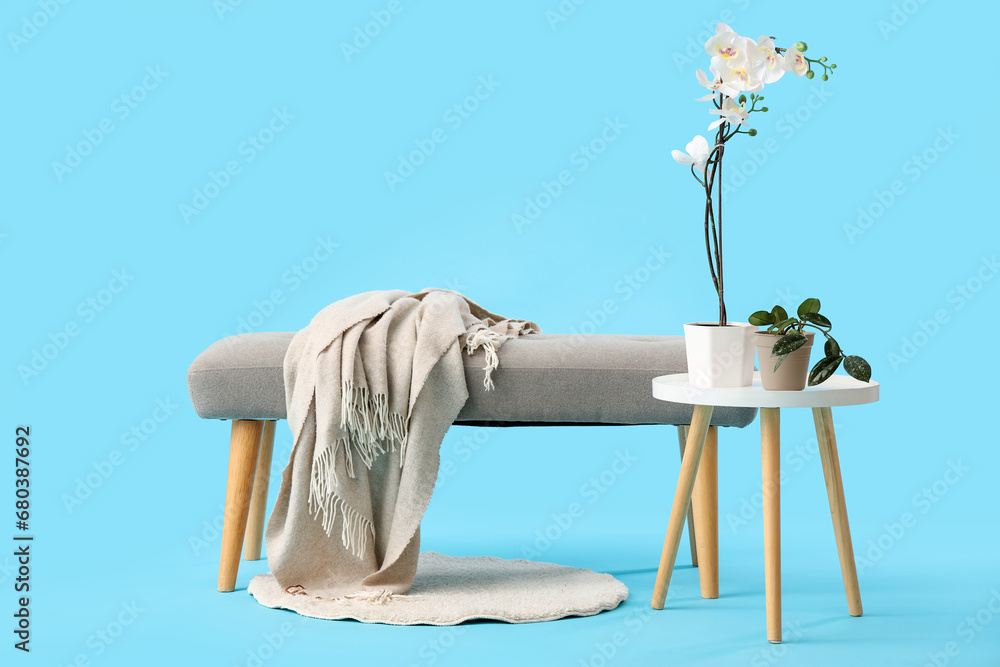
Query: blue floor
x,y
927,589
909,618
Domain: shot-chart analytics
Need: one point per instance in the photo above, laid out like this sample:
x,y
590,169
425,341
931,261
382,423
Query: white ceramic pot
x,y
720,356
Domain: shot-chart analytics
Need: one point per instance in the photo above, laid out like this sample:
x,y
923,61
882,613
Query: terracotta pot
x,y
794,370
719,356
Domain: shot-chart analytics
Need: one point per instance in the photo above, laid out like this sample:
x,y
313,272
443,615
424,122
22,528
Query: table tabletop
x,y
837,390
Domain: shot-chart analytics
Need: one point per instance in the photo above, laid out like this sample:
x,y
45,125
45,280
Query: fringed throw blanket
x,y
372,385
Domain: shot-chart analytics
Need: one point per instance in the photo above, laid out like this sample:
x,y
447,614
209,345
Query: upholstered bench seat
x,y
542,379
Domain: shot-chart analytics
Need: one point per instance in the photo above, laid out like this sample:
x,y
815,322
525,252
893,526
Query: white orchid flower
x,y
726,46
733,63
697,154
731,112
737,76
795,62
765,62
712,85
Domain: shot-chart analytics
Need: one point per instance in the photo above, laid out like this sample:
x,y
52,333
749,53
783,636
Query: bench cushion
x,y
543,379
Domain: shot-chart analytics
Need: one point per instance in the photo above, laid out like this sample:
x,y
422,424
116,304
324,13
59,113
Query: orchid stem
x,y
722,302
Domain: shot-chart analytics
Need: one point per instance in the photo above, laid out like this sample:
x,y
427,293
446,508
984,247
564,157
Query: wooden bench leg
x,y
692,537
697,433
258,500
705,503
243,447
838,506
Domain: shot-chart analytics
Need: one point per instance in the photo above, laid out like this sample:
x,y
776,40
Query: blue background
x,y
901,133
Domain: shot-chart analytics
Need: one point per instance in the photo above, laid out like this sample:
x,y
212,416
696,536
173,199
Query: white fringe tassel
x,y
490,341
370,426
371,431
355,529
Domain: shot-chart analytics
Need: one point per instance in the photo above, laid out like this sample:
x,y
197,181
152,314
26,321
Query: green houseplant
x,y
786,340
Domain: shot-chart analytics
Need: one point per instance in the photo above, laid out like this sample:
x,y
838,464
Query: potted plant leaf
x,y
720,354
786,343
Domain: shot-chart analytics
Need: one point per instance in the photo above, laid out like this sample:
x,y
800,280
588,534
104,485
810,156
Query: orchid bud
x,y
752,132
763,108
801,46
825,77
810,74
743,99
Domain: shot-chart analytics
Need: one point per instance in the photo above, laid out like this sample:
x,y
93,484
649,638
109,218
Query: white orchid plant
x,y
740,67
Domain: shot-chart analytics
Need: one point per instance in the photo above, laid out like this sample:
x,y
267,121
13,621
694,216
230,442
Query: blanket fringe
x,y
356,530
490,341
372,430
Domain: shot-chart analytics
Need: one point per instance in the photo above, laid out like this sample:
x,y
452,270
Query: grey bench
x,y
542,380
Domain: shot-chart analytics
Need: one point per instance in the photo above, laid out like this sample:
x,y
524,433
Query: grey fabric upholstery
x,y
542,379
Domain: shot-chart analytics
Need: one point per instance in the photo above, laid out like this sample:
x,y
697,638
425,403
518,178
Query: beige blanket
x,y
372,385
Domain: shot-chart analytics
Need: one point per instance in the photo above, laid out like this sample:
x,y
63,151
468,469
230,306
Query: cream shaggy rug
x,y
448,590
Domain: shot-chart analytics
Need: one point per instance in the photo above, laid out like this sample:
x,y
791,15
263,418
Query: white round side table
x,y
839,390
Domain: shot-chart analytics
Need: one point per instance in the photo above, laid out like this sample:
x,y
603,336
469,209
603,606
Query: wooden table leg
x,y
692,536
770,438
705,502
243,448
697,433
838,507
